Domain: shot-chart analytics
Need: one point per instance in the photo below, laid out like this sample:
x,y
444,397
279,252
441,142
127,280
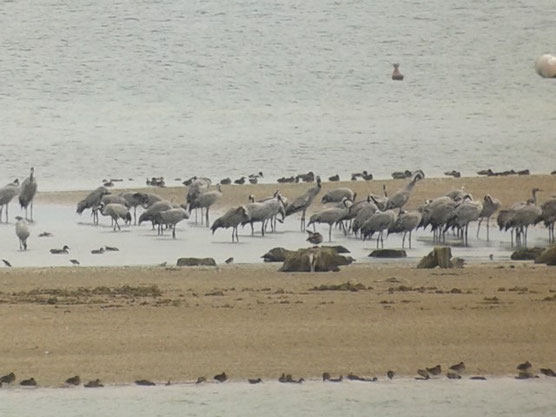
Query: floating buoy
x,y
545,65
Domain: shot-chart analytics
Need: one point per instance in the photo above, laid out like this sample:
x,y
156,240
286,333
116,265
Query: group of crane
x,y
376,215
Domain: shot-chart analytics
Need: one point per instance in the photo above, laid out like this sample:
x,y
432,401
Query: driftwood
x,y
388,253
440,256
548,256
196,262
315,260
526,254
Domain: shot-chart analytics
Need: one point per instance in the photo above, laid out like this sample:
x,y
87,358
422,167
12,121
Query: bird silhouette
x,y
7,263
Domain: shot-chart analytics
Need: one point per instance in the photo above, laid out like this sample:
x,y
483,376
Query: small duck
x,y
458,367
45,234
229,260
74,380
240,181
221,377
28,382
7,379
396,74
525,366
94,384
253,180
390,374
9,265
334,178
255,381
144,383
326,377
314,237
548,372
226,181
111,248
423,374
56,251
201,379
435,371
75,262
97,251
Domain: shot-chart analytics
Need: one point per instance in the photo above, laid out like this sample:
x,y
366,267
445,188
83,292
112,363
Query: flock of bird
x,y
456,371
375,215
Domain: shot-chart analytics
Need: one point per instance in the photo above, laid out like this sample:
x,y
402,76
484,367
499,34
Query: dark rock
x,y
338,249
196,262
388,253
94,384
526,254
276,255
548,256
315,259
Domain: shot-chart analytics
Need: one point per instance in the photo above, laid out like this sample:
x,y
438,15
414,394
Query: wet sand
x,y
507,189
127,323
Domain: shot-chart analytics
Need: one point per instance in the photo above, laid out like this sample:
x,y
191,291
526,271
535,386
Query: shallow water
x,y
402,397
102,89
140,245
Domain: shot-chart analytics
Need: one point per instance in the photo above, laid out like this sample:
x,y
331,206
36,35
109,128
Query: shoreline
x,y
121,324
508,189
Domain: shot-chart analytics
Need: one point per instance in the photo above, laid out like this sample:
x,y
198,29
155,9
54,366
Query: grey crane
x,y
149,213
466,212
263,211
522,217
549,217
22,232
170,218
133,200
92,201
302,203
197,187
437,213
378,223
232,218
7,193
401,197
381,202
116,211
337,195
27,193
363,214
330,216
457,195
205,200
490,206
406,222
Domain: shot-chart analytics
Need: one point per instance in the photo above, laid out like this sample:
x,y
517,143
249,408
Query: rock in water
x,y
388,253
196,262
526,254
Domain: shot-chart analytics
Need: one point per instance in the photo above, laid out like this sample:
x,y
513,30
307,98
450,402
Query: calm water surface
x,y
93,90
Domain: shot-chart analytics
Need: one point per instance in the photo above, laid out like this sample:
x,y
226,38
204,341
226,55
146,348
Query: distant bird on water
x,y
75,262
56,251
27,193
22,232
9,265
396,74
229,260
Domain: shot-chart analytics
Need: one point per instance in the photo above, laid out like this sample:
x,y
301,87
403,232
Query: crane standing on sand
x,y
27,193
303,202
7,193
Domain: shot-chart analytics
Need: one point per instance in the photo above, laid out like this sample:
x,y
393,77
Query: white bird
x,y
7,193
27,193
232,218
170,218
22,232
490,206
115,211
545,65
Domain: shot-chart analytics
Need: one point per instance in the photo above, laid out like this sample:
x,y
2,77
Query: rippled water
x,y
498,397
98,89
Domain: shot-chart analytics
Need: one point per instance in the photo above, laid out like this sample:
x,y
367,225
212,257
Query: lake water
x,y
494,397
100,89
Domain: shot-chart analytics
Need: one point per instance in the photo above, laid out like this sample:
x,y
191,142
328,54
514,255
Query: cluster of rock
x,y
539,255
440,256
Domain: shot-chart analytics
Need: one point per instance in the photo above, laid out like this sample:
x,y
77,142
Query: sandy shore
x,y
507,189
123,324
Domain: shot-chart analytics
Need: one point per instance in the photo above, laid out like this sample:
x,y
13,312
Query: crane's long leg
x,y
207,217
488,228
479,227
174,232
135,216
329,232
